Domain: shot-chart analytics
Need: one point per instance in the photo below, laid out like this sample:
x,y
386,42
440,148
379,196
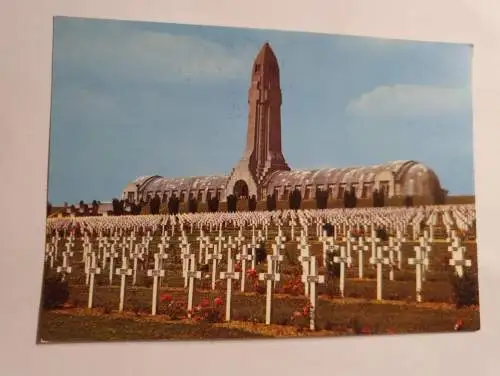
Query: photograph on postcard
x,y
213,182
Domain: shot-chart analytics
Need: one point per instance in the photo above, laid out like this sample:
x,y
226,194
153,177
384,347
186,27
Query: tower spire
x,y
263,153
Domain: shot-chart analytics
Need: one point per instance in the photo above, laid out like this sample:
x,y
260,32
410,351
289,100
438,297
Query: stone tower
x,y
262,155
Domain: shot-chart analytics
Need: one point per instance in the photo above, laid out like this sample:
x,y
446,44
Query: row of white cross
x,y
354,220
309,265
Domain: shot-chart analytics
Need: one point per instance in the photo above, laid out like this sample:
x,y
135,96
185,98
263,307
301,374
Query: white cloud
x,y
410,101
117,51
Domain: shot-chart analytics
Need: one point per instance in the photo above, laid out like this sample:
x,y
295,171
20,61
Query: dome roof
x,y
346,175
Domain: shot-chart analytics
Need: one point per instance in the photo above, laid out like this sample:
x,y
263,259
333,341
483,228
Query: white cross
x,y
186,259
131,240
65,268
419,261
191,275
391,248
312,279
155,273
49,254
304,258
220,239
253,247
379,261
239,239
277,257
93,270
459,262
135,256
373,240
342,260
400,239
292,225
124,271
112,255
280,239
243,257
215,256
162,255
426,249
269,277
360,248
201,239
147,237
229,246
229,275
207,245
349,240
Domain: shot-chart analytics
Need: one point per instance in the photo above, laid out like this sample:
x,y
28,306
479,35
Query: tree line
x,y
154,204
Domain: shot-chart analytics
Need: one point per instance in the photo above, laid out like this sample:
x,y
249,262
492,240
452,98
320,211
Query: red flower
x,y
166,298
252,273
306,310
366,330
458,325
218,301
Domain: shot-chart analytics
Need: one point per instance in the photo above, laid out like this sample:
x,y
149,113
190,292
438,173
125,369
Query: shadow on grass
x,y
56,328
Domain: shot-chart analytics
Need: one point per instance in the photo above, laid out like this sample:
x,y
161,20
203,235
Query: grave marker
x,y
270,277
124,271
379,261
93,270
343,259
155,273
419,261
312,279
229,275
243,257
191,275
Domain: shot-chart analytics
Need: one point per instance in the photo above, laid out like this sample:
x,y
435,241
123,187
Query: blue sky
x,y
135,98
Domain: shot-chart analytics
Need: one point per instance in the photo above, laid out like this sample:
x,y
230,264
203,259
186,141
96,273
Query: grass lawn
x,y
335,317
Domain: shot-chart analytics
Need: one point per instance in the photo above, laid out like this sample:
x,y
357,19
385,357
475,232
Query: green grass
x,y
335,316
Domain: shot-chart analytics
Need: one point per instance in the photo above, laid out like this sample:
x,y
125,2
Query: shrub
x,y
271,202
330,230
213,204
295,199
332,268
252,203
465,289
408,201
55,293
232,203
321,199
381,233
192,205
154,205
260,255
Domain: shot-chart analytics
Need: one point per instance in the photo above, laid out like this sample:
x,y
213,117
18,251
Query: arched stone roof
x,y
161,184
346,175
420,180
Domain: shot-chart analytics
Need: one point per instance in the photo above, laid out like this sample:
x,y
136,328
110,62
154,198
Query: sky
x,y
136,98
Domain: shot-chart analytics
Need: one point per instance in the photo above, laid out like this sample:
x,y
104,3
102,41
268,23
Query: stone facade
x,y
263,170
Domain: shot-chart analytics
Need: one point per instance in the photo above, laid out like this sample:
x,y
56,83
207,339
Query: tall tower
x,y
263,154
